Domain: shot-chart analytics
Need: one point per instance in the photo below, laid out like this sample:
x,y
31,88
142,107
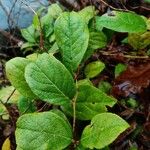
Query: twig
x,y
125,56
102,1
29,7
143,7
40,26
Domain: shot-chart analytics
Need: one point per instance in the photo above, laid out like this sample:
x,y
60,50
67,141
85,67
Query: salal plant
x,y
51,76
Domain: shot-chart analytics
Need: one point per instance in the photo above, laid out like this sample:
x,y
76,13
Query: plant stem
x,y
74,111
125,56
74,115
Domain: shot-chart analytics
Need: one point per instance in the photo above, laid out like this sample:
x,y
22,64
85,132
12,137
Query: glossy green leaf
x,y
50,80
90,102
42,131
72,38
97,40
29,33
94,68
15,69
119,68
103,130
87,13
123,22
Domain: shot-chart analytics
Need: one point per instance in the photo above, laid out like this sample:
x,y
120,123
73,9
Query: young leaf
x,y
15,69
90,102
47,25
28,45
42,131
87,13
123,22
104,86
138,40
94,68
72,38
97,40
54,10
50,80
119,68
29,34
103,130
36,21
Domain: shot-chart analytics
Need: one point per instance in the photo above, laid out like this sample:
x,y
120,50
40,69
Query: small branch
x,y
102,1
29,7
40,26
10,96
125,56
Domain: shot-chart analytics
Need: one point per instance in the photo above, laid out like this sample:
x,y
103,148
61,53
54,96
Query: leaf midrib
x,y
51,81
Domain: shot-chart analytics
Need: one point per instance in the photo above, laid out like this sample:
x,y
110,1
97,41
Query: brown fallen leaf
x,y
132,81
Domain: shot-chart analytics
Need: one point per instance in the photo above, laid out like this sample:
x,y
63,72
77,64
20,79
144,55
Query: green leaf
x,y
84,82
54,48
148,1
5,92
72,38
103,130
104,86
94,68
54,10
47,25
148,24
28,45
50,80
26,105
123,22
36,21
42,131
119,68
61,114
3,109
15,69
90,102
29,34
80,147
87,13
97,40
138,40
